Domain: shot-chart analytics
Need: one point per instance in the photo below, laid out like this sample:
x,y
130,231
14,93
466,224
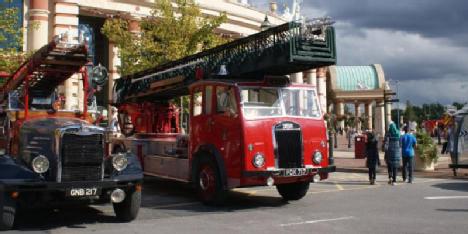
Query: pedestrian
x,y
392,152
372,155
408,143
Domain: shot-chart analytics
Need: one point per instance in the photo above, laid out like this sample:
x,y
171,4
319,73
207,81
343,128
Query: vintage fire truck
x,y
458,140
52,156
229,117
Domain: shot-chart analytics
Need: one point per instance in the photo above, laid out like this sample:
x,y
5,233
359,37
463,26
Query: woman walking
x,y
372,154
392,152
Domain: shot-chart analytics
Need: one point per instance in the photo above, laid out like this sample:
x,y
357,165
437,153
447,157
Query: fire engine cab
x,y
229,117
50,155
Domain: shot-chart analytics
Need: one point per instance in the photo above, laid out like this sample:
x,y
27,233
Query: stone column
x,y
339,112
297,78
379,118
38,24
66,21
322,88
310,77
357,112
368,112
114,62
388,114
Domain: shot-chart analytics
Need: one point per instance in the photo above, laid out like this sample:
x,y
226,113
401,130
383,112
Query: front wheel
x,y
127,210
8,213
294,191
208,183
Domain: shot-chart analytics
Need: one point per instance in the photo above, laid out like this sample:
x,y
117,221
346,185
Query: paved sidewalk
x,y
345,162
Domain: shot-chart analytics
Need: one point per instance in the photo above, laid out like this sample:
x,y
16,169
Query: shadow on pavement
x,y
70,216
169,195
456,186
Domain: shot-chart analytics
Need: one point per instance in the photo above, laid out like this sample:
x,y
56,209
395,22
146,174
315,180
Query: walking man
x,y
408,143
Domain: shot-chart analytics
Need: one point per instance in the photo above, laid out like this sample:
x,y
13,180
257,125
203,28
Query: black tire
x,y
208,182
127,210
8,214
294,191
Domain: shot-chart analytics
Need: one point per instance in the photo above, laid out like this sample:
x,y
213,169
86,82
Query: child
x,y
372,154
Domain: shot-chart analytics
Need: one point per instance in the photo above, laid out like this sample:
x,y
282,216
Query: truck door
x,y
200,127
227,130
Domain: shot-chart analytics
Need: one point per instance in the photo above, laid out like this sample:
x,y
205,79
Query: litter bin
x,y
360,146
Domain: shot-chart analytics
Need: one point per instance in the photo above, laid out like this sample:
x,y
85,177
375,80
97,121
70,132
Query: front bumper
x,y
283,172
43,186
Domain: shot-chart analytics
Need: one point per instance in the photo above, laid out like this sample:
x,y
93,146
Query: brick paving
x,y
345,162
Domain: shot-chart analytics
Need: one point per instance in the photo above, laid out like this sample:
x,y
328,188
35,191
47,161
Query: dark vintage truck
x,y
51,156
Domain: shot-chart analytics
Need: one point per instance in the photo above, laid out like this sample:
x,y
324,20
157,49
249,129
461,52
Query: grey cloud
x,y
421,43
430,18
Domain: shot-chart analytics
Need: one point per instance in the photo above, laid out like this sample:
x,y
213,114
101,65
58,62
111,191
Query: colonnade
x,y
317,78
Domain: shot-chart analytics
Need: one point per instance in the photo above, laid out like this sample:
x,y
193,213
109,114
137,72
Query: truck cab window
x,y
197,98
225,100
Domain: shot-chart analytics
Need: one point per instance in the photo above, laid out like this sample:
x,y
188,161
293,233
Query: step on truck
x,y
229,117
50,156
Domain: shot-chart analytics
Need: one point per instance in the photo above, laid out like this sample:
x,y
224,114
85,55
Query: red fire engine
x,y
245,124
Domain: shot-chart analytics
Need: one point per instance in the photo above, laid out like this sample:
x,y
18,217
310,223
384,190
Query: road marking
x,y
446,197
316,221
338,186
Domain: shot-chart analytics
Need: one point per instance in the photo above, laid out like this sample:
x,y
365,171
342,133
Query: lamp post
x,y
398,104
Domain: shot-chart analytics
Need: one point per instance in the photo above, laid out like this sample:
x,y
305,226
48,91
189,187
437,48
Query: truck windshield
x,y
275,102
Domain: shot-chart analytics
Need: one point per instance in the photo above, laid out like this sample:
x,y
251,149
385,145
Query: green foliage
x,y
420,113
11,37
458,105
168,34
409,113
426,149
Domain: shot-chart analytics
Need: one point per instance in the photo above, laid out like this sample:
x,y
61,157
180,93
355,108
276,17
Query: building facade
x,y
53,17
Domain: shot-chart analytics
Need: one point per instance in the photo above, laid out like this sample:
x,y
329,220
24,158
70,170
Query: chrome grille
x,y
82,157
288,139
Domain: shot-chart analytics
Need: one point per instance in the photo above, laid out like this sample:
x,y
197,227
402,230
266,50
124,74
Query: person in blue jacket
x,y
408,143
392,152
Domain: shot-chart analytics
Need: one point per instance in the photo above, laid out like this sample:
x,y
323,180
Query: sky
x,y
422,44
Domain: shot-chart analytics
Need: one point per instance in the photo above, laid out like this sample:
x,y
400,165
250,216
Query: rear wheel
x,y
208,183
294,191
127,210
8,212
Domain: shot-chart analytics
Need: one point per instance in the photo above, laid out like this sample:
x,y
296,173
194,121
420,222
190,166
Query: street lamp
x,y
266,24
396,82
398,103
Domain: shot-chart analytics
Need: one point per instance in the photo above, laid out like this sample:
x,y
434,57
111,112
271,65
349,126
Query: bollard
x,y
331,160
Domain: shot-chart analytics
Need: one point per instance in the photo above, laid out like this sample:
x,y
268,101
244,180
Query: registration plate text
x,y
83,192
295,172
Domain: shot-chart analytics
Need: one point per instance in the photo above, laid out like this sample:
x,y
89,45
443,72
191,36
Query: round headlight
x,y
120,162
40,164
317,158
258,160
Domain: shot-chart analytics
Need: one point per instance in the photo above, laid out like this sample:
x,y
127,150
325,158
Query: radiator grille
x,y
289,146
82,157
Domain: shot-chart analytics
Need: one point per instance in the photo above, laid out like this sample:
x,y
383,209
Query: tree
x,y
409,113
459,105
11,38
170,33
